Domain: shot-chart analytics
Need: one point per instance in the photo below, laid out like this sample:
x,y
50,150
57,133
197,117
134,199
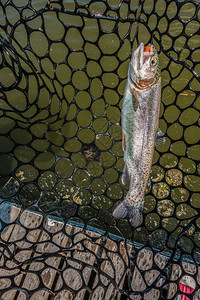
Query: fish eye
x,y
154,61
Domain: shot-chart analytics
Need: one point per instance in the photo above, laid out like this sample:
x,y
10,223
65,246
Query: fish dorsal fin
x,y
160,138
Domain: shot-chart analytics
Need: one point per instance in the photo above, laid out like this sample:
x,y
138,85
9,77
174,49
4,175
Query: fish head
x,y
144,70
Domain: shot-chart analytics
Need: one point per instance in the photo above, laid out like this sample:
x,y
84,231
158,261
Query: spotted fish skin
x,y
140,119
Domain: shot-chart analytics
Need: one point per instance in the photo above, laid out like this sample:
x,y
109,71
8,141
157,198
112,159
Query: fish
x,y
140,129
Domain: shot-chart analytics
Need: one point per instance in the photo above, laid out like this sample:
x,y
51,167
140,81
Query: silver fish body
x,y
140,119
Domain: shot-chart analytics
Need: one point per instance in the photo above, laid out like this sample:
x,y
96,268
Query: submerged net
x,y
63,69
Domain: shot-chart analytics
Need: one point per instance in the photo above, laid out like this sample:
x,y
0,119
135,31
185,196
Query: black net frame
x,y
63,72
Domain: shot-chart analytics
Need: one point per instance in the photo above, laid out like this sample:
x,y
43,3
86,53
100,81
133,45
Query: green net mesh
x,y
63,70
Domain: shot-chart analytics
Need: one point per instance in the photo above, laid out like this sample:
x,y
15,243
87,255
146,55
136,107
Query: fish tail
x,y
121,211
136,215
133,213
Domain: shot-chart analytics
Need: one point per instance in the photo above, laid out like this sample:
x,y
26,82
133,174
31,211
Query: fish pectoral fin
x,y
135,99
123,141
160,138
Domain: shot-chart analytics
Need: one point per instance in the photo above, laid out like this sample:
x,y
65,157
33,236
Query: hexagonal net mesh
x,y
63,70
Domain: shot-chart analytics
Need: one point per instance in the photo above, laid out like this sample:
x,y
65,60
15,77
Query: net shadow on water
x,y
63,70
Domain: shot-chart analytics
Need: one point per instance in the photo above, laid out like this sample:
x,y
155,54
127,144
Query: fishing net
x,y
63,70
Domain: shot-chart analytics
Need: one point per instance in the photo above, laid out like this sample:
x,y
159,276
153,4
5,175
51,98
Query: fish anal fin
x,y
125,176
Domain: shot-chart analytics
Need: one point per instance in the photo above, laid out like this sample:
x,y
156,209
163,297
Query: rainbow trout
x,y
140,118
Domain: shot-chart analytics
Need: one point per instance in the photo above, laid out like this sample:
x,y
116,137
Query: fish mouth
x,y
148,52
144,83
142,54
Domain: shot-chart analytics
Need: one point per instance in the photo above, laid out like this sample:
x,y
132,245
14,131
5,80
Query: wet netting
x,y
63,70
